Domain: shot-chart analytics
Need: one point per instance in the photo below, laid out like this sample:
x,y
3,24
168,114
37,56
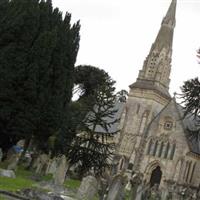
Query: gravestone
x,y
41,163
52,166
117,187
135,184
88,188
13,161
102,189
60,173
155,193
7,173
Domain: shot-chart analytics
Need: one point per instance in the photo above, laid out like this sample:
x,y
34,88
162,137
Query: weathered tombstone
x,y
88,188
41,163
13,161
7,173
102,189
117,187
155,193
59,175
135,182
1,154
166,194
51,169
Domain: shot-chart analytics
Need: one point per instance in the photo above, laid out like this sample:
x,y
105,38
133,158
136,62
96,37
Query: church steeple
x,y
157,66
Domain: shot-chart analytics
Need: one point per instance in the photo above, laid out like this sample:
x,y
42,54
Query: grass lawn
x,y
72,184
14,184
23,180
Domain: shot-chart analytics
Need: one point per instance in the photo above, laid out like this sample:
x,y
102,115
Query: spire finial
x,y
169,19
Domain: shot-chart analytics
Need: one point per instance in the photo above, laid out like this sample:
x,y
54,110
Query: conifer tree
x,y
92,148
38,49
191,96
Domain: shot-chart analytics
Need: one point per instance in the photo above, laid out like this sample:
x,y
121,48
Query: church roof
x,y
113,127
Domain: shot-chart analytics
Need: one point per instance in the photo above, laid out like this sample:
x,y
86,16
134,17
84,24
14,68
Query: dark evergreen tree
x,y
191,103
191,97
92,147
38,50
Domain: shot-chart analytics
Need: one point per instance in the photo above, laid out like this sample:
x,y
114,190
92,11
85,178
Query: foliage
x,y
38,49
91,149
191,97
191,102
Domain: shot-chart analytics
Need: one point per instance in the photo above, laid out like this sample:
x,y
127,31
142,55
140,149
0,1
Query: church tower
x,y
155,142
149,94
157,66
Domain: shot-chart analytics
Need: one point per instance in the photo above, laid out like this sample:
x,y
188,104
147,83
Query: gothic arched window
x,y
171,156
155,148
161,149
188,171
193,169
143,122
149,147
166,150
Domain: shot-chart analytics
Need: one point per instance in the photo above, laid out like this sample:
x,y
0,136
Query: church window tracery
x,y
168,125
173,148
149,147
138,108
193,169
161,149
188,171
155,148
166,150
143,122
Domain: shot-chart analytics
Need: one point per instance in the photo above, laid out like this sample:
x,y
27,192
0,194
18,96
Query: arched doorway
x,y
156,176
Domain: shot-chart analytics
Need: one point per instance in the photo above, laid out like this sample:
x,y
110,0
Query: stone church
x,y
154,138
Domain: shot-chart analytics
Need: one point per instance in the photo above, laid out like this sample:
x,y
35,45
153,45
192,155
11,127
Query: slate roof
x,y
113,128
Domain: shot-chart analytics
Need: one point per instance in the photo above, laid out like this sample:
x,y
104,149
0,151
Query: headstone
x,y
155,193
41,163
135,181
88,188
13,161
59,176
117,187
1,154
102,189
51,169
7,173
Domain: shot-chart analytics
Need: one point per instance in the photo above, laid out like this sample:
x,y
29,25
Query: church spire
x,y
157,66
171,14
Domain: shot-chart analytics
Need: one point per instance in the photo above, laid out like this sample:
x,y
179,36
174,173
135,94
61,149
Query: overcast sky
x,y
116,35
